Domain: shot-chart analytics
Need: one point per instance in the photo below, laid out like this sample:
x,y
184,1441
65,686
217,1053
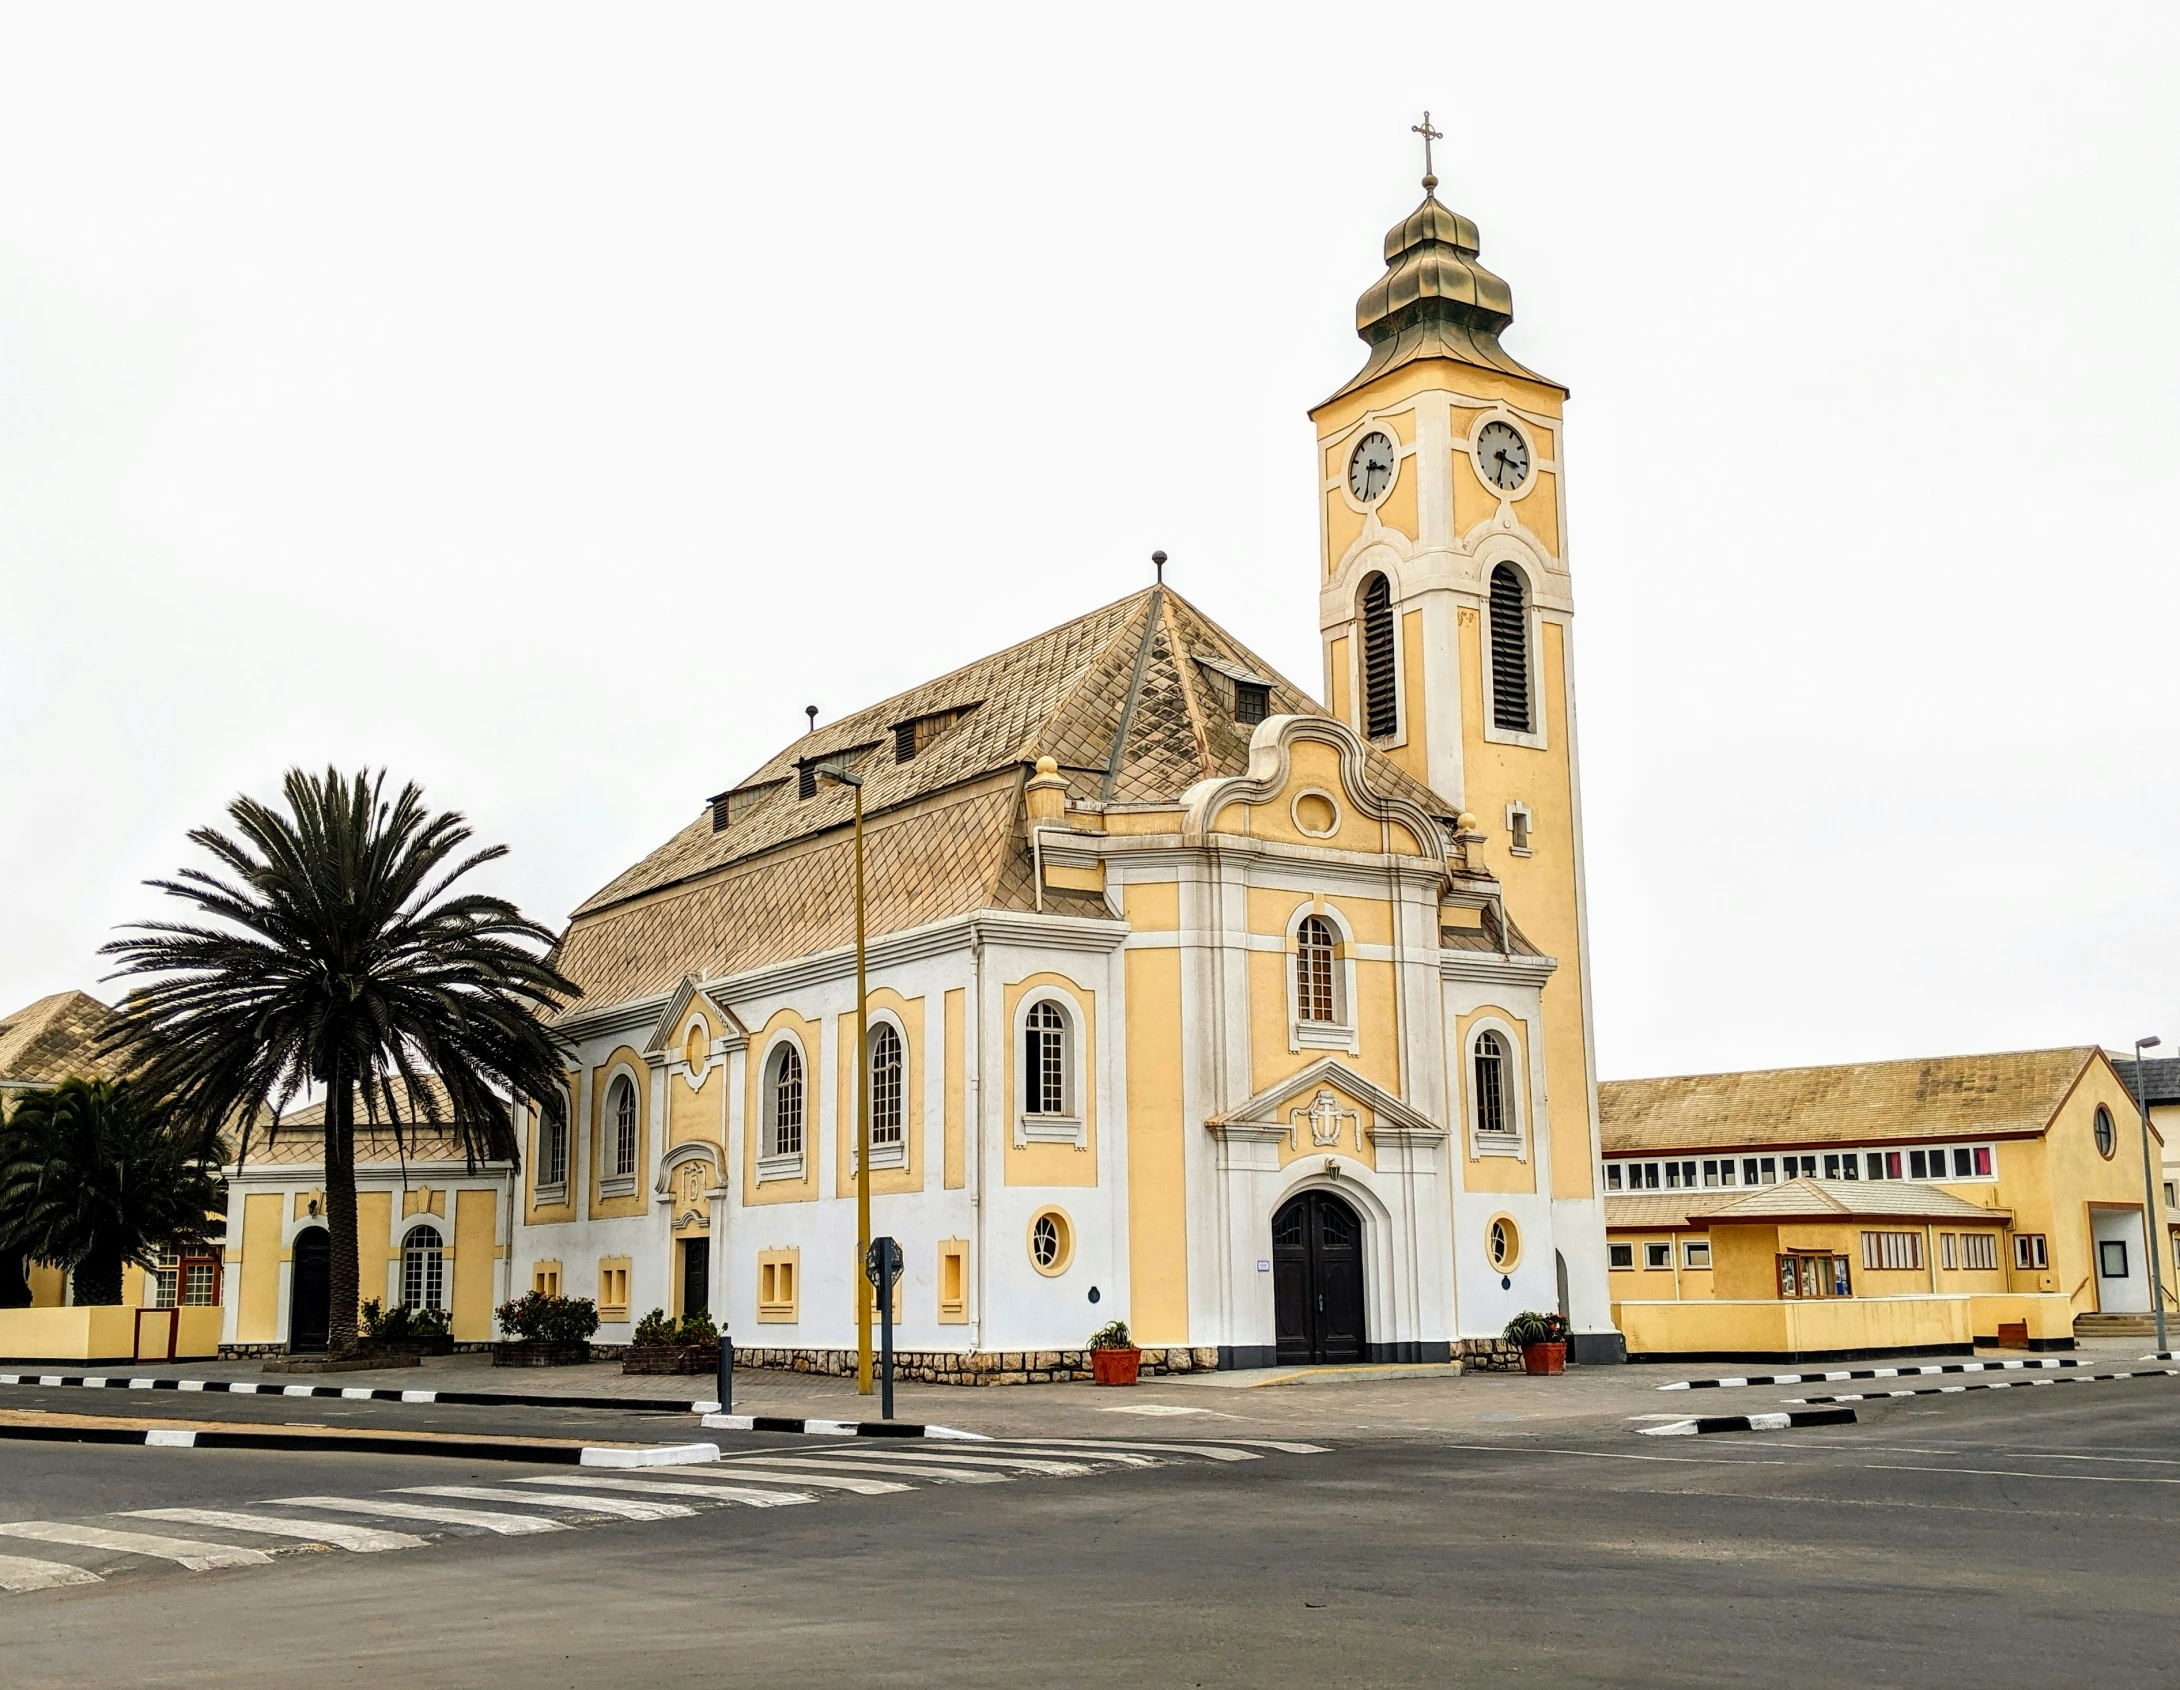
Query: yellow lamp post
x,y
854,783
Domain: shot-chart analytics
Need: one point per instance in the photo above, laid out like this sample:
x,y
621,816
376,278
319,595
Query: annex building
x,y
1878,1208
1256,1021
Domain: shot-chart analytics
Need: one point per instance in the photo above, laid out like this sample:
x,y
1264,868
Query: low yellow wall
x,y
92,1334
1771,1326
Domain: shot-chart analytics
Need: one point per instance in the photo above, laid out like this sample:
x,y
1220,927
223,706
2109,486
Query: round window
x,y
1051,1242
1502,1240
2107,1139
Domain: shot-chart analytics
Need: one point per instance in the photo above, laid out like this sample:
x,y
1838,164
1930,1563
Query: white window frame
x,y
1515,1141
2031,1254
1340,1033
1518,811
610,1183
1067,1127
436,1292
1688,1253
772,1165
1613,1251
553,1190
1518,560
1358,680
894,1155
1653,1251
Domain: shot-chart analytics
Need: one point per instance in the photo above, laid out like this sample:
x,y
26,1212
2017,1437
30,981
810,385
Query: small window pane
x,y
1983,1161
1621,1255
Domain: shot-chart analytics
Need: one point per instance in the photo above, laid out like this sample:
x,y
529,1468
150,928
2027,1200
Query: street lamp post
x,y
2153,1212
854,783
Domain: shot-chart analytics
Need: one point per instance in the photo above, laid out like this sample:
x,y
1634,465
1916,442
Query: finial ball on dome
x,y
1048,766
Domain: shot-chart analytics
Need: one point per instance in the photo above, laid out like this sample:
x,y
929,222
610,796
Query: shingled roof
x,y
2014,1092
56,1039
1133,700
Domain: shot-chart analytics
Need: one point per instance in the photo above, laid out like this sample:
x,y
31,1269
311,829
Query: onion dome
x,y
1435,300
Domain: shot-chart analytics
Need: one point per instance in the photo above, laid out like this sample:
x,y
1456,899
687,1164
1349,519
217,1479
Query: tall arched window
x,y
423,1269
1492,1114
1044,1060
1313,969
1381,699
1509,651
885,1085
552,1149
783,1102
621,1107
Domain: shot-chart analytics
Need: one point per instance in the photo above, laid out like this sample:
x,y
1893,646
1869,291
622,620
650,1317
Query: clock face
x,y
1370,469
1503,455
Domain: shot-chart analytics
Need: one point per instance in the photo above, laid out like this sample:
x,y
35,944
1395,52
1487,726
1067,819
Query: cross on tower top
x,y
1424,129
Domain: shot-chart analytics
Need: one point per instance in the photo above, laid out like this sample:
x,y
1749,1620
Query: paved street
x,y
1449,1532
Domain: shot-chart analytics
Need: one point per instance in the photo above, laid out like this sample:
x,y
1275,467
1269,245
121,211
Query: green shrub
x,y
698,1328
1530,1327
657,1327
553,1320
1113,1337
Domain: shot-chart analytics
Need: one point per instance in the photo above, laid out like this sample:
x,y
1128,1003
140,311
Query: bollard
x,y
891,1260
726,1374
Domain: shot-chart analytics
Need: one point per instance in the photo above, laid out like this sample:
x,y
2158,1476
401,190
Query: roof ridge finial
x,y
1424,129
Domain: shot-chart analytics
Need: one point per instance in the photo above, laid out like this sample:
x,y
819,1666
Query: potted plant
x,y
544,1331
663,1344
403,1331
1114,1358
1543,1341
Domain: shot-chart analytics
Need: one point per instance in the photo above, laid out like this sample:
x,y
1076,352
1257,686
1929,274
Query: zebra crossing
x,y
253,1533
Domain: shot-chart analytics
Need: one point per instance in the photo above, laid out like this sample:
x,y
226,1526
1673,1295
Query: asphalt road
x,y
1990,1538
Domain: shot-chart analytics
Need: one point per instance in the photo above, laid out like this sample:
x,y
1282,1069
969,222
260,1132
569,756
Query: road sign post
x,y
882,1267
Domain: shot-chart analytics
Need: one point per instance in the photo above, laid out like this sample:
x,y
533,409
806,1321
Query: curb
x,y
1999,1385
831,1428
355,1393
1874,1373
360,1443
1752,1422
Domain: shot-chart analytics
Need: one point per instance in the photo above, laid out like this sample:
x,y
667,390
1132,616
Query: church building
x,y
1258,1022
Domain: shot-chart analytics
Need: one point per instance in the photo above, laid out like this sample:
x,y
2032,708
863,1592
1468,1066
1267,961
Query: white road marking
x,y
19,1572
364,1540
824,1464
824,1481
188,1552
954,1457
1151,1408
1275,1443
1619,1455
2009,1473
669,1487
507,1525
617,1506
1214,1452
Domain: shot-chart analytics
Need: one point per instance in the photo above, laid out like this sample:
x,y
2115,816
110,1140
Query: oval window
x,y
1051,1242
1502,1240
2107,1138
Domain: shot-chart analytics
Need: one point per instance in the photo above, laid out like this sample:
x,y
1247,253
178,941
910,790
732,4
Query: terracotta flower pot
x,y
1544,1358
1115,1367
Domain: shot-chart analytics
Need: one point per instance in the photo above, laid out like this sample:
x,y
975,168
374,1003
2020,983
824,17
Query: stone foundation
x,y
264,1352
986,1367
1488,1355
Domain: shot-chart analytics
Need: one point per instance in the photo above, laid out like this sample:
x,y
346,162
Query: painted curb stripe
x,y
833,1428
1752,1422
355,1393
1998,1385
362,1443
1872,1373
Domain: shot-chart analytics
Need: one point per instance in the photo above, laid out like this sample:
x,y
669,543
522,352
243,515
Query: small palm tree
x,y
342,959
93,1177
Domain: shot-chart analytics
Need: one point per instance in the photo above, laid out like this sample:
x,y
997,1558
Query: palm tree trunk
x,y
340,1210
96,1282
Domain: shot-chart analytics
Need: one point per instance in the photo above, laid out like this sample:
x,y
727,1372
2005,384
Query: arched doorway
x,y
310,1292
1317,1280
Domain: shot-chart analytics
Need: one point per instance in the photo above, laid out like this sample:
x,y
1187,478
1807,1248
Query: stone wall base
x,y
978,1367
1488,1355
262,1352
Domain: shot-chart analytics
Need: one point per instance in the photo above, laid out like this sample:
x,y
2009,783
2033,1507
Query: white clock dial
x,y
1503,455
1370,468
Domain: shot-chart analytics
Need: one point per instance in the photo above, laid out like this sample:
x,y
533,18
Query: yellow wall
x,y
1053,1164
956,1081
696,1116
374,1253
476,1217
257,1313
601,1084
546,1214
801,1190
1157,1200
849,1099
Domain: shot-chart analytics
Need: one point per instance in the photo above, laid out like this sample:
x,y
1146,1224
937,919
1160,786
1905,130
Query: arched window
x,y
1381,700
621,1108
783,1101
1509,651
1044,1060
885,1085
1492,1114
1313,969
552,1157
423,1269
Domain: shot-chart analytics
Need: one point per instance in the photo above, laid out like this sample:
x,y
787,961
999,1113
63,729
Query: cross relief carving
x,y
1326,1120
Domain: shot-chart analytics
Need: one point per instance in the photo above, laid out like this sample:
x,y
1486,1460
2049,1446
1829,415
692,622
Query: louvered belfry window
x,y
1509,652
1313,969
1381,705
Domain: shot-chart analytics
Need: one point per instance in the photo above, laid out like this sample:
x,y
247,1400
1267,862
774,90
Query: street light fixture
x,y
854,783
2153,1212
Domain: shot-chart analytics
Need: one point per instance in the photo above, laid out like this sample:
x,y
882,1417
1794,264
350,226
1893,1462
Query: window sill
x,y
550,1196
770,1168
609,1316
772,1314
894,1155
1048,1129
621,1185
1321,1035
1498,1144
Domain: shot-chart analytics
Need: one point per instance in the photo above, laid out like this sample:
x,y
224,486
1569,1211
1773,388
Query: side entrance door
x,y
310,1292
696,1274
1317,1280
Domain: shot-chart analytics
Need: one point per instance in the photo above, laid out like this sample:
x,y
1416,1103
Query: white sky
x,y
548,404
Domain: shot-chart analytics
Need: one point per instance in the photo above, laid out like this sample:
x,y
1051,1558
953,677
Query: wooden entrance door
x,y
310,1292
696,1275
1317,1280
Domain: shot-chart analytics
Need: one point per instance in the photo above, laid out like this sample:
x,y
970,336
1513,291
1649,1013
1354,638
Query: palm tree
x,y
342,959
94,1176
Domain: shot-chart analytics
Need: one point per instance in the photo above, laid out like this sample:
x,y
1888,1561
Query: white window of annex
x,y
620,1133
1493,1069
423,1269
1049,1075
889,1082
1320,966
783,1090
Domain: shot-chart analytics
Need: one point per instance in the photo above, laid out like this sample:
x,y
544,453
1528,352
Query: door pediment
x,y
1324,1104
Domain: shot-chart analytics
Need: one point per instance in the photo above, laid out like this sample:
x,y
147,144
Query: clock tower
x,y
1446,609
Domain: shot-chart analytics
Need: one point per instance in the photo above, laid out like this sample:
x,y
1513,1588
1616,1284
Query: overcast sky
x,y
547,404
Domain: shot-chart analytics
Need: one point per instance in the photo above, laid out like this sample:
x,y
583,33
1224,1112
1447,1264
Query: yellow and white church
x,y
1261,1025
